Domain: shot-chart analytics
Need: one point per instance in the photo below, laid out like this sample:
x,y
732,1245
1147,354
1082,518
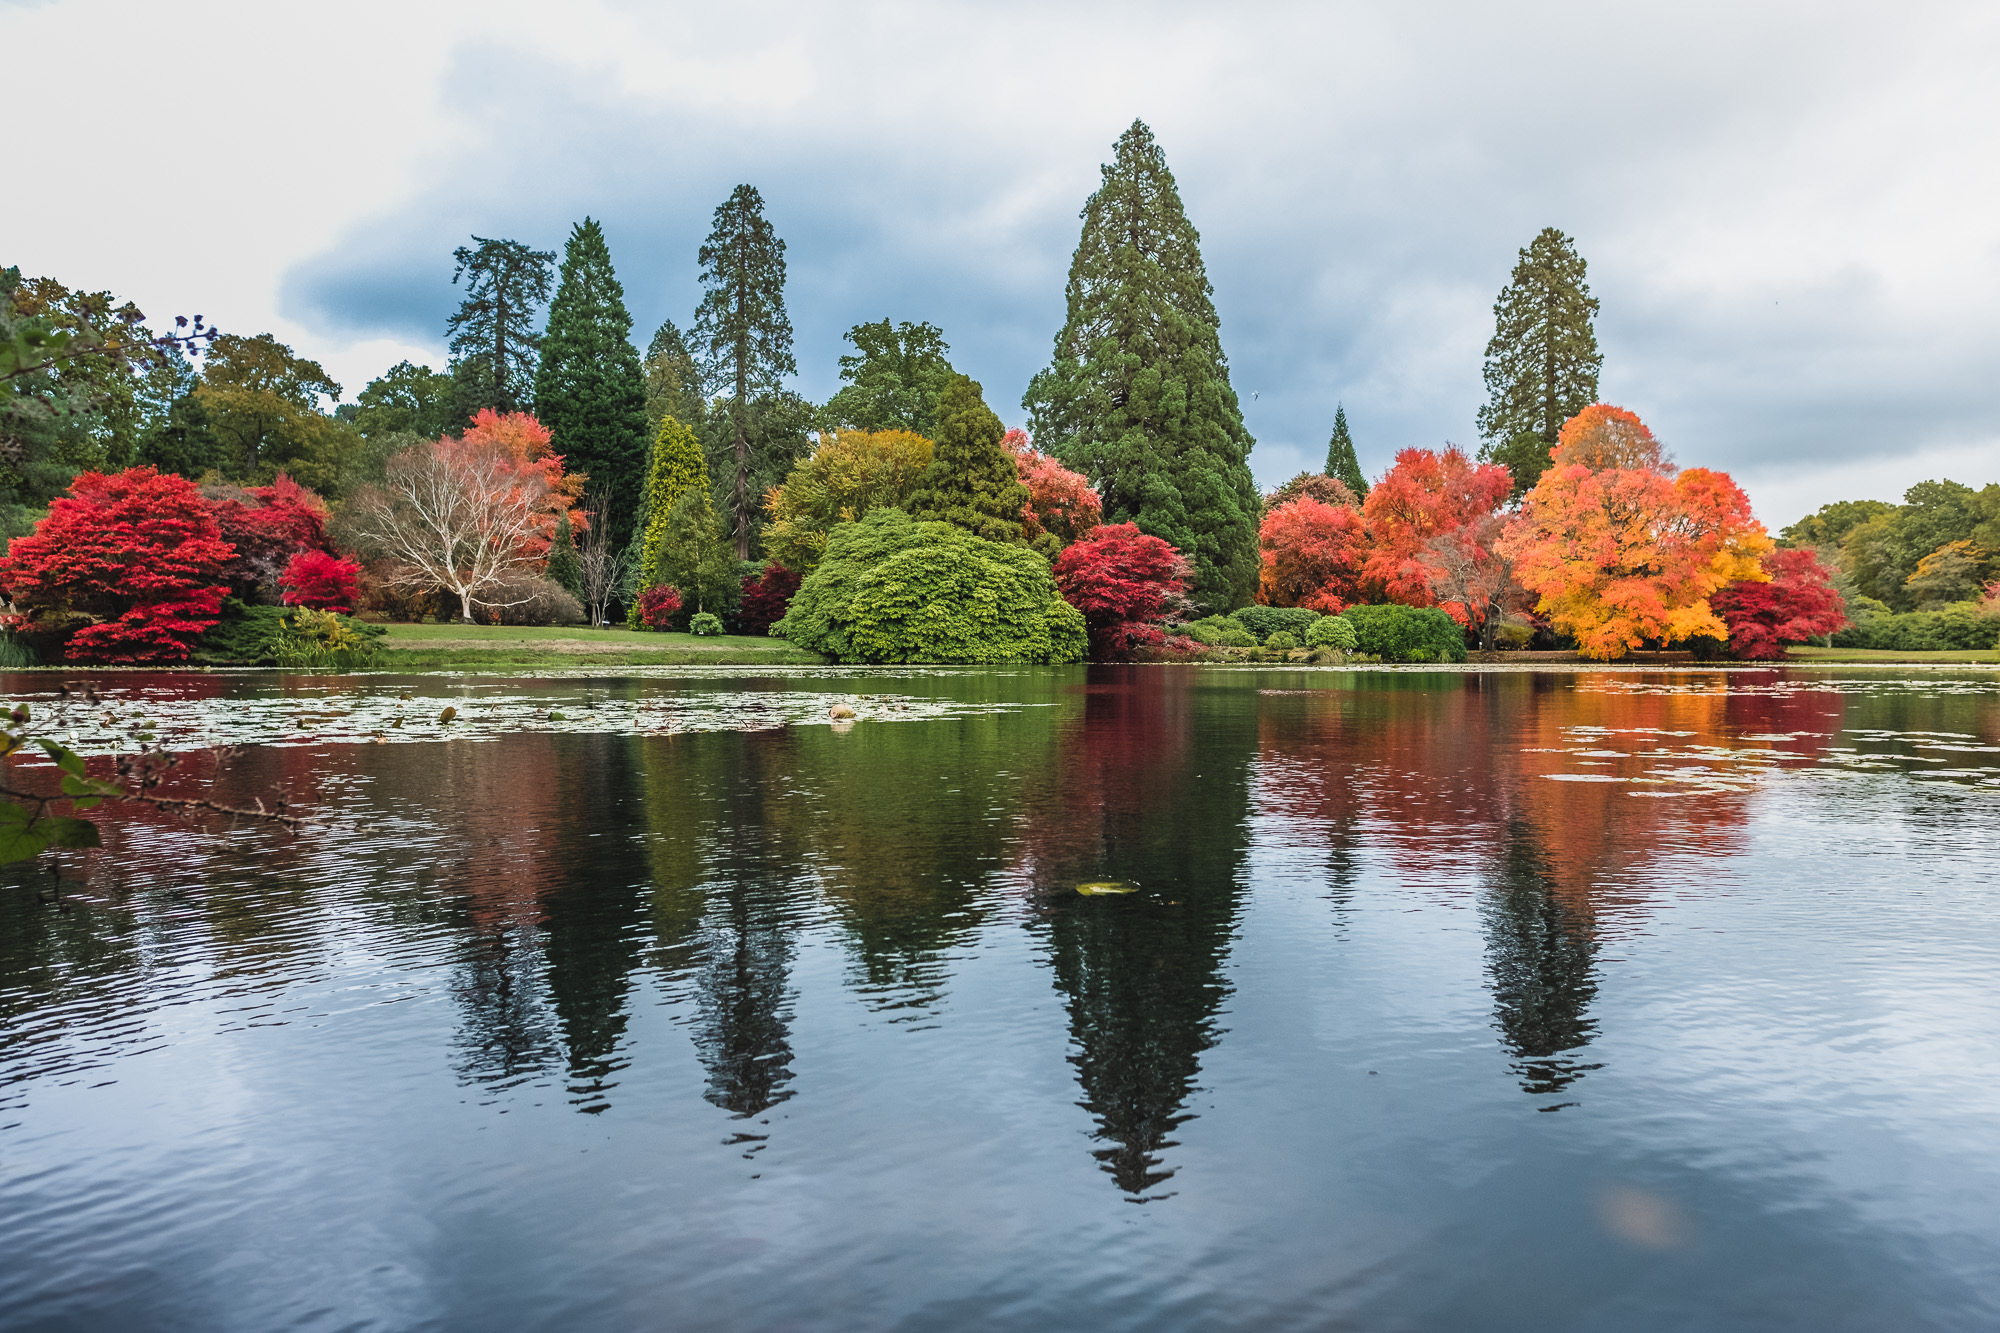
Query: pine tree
x,y
1341,463
1137,395
743,338
493,341
1542,362
564,569
972,482
677,468
590,391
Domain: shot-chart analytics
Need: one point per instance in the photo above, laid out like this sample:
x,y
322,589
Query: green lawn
x,y
1809,656
458,646
460,634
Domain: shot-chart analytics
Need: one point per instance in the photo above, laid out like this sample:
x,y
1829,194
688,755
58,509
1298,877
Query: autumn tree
x,y
1122,581
322,581
136,558
1062,505
894,379
1137,394
494,345
1426,519
266,526
1325,489
1312,555
849,475
1795,602
1342,464
589,390
742,335
972,482
1625,555
1542,361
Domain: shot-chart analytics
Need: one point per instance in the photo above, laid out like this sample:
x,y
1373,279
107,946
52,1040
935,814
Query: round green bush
x,y
1406,633
1235,637
1332,632
705,623
890,589
1264,621
1282,642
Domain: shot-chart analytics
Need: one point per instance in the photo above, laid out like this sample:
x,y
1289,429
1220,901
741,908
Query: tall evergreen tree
x,y
673,381
743,338
589,391
893,381
677,468
565,570
1542,362
1137,395
1341,462
493,339
972,481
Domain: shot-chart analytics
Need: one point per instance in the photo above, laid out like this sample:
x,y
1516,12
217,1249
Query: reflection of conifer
x,y
1539,952
743,1025
505,1036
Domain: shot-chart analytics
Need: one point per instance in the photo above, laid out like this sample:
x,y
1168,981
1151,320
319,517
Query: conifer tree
x,y
973,481
1341,463
743,338
1137,395
565,570
673,381
1542,362
493,341
589,391
677,468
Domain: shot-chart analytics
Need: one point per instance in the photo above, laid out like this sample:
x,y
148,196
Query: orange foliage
x,y
1430,540
1621,555
1602,437
526,441
1060,501
1312,556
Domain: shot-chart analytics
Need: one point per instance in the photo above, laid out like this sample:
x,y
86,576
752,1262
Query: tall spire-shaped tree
x,y
742,336
1542,363
1341,463
1137,395
590,391
972,482
493,339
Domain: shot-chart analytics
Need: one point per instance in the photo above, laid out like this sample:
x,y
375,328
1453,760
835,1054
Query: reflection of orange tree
x,y
1143,795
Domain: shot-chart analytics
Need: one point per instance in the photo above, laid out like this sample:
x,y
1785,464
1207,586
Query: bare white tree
x,y
455,514
603,563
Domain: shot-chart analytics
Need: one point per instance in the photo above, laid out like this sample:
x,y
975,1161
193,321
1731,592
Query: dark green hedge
x,y
1953,628
1406,633
1264,621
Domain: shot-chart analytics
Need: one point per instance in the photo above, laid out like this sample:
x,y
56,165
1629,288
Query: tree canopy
x,y
973,481
589,390
1542,361
894,379
492,334
1137,394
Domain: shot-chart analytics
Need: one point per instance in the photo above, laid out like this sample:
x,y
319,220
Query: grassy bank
x,y
487,647
1808,656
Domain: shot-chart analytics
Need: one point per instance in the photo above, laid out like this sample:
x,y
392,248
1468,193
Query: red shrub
x,y
321,581
139,552
766,598
1799,602
267,525
1059,500
658,606
1121,580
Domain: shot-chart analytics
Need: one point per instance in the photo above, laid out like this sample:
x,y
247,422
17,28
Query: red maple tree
x,y
267,525
1060,501
766,598
321,581
1426,526
139,554
1798,603
1121,580
1313,555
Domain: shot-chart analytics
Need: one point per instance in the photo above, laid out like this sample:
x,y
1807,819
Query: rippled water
x,y
1595,1000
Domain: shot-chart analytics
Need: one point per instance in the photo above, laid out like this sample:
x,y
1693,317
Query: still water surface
x,y
1441,1000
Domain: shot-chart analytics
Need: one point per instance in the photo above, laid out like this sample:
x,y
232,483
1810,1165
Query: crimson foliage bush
x,y
766,598
658,606
321,581
1121,580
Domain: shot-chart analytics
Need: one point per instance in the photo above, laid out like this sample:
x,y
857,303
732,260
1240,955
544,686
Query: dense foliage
x,y
1063,506
677,466
851,474
766,596
894,380
1542,361
1961,627
657,607
1795,602
1264,621
494,344
891,589
1137,394
1406,633
1123,581
973,482
1332,632
321,581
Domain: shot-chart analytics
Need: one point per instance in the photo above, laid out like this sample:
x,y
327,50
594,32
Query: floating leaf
x,y
448,714
1105,887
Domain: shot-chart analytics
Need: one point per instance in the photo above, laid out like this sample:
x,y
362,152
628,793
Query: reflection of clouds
x,y
1642,1218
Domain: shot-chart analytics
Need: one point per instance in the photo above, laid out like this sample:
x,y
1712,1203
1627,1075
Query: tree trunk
x,y
465,604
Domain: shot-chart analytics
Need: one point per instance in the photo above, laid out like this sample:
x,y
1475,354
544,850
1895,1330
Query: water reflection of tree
x,y
1153,794
1540,950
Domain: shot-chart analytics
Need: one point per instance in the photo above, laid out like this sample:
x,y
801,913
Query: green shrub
x,y
245,636
286,636
1284,641
1956,627
15,652
705,623
1235,637
1406,633
890,589
1209,630
1332,632
1264,621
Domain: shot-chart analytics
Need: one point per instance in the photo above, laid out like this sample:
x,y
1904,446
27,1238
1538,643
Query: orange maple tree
x,y
1312,555
1628,552
1060,501
1430,534
526,441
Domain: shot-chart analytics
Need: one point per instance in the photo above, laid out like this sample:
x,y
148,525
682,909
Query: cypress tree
x,y
1137,395
972,482
1341,463
743,338
1542,362
590,392
565,570
677,468
493,341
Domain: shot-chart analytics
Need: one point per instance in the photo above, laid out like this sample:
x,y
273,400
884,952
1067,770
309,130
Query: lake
x,y
1399,999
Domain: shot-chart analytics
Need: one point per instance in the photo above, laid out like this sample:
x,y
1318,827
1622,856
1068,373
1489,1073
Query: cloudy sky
x,y
1791,212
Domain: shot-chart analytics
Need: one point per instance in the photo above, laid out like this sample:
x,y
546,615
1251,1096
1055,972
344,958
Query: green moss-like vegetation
x,y
891,589
1406,633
